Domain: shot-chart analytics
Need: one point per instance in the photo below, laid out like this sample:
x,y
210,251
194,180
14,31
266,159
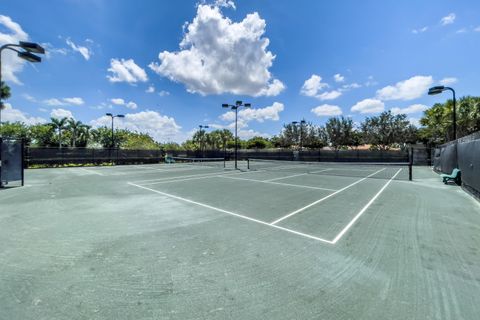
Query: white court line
x,y
322,199
286,177
92,171
190,177
297,175
279,183
350,224
232,213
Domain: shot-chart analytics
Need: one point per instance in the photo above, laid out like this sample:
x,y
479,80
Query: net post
x,y
410,163
248,163
224,163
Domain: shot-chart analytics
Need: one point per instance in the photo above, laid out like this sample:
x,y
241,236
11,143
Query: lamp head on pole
x,y
247,105
435,90
120,116
225,105
238,103
31,47
109,114
30,57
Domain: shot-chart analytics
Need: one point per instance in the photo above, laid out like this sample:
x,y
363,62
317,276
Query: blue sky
x,y
169,65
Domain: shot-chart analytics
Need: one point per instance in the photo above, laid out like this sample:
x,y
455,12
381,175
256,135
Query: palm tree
x,y
4,91
75,128
59,124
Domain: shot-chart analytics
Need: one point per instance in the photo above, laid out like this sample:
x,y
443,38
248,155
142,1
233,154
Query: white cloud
x,y
220,56
162,128
64,101
11,32
225,3
312,86
131,105
353,85
248,134
477,29
9,114
462,30
421,30
414,108
84,51
448,81
163,93
330,95
29,97
327,110
61,113
448,19
150,89
118,101
409,89
260,115
415,122
368,106
74,101
126,71
338,78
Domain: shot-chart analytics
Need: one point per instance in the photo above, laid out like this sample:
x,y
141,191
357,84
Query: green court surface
x,y
173,241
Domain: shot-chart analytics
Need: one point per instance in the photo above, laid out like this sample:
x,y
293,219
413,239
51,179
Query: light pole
x,y
439,89
235,107
26,53
112,116
302,123
202,137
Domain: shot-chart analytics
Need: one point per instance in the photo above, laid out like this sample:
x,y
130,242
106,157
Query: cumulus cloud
x,y
225,3
409,89
10,114
163,93
312,86
126,71
56,102
162,128
260,115
61,113
368,106
327,110
448,81
248,134
84,51
330,95
11,32
220,56
338,78
414,108
120,102
448,19
150,89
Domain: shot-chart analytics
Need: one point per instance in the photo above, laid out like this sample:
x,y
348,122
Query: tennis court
x,y
273,240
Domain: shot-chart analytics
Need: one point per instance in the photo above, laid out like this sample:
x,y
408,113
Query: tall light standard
x,y
26,52
202,137
112,116
439,89
302,123
235,107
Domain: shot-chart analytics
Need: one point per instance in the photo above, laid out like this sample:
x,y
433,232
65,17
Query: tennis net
x,y
207,162
397,171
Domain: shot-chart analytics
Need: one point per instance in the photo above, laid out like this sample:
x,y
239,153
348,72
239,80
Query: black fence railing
x,y
84,156
463,154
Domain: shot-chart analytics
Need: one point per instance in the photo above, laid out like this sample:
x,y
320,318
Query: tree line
x,y
382,132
